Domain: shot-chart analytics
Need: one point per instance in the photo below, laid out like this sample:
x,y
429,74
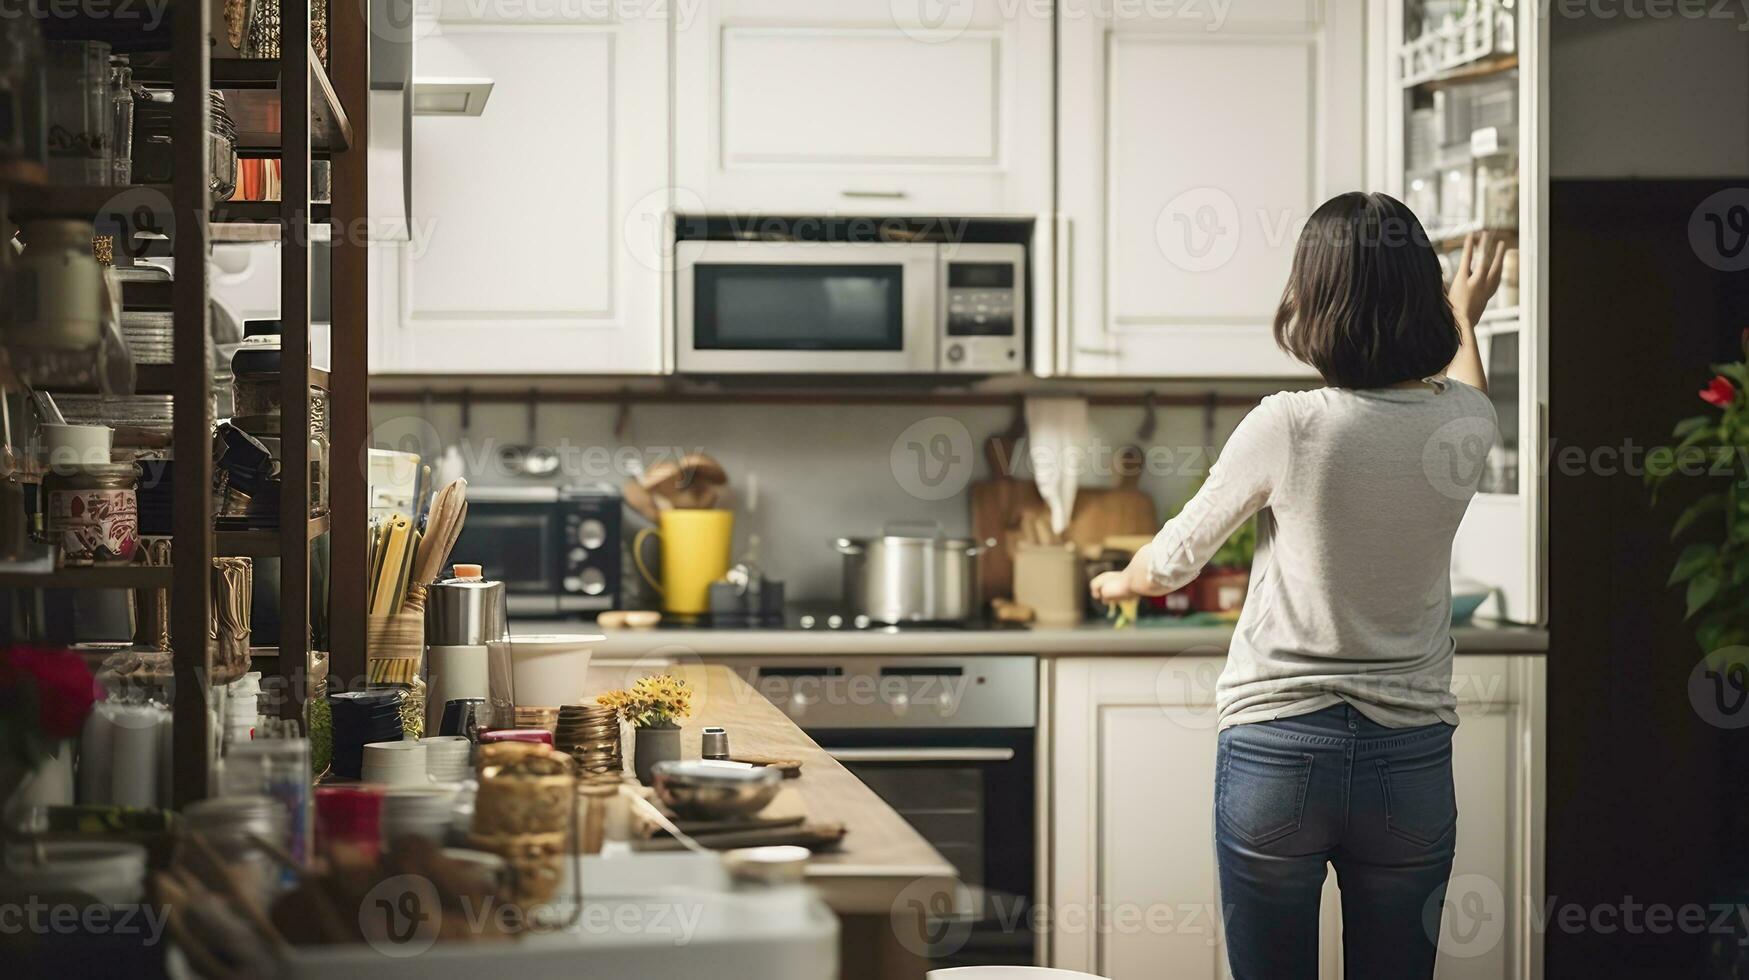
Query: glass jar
x,y
93,512
59,286
79,113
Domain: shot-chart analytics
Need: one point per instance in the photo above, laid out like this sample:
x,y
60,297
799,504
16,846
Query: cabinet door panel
x,y
531,247
1177,259
839,117
1133,749
864,107
501,235
1190,159
1156,844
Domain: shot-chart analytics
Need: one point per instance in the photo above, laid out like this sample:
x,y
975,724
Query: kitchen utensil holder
x,y
394,647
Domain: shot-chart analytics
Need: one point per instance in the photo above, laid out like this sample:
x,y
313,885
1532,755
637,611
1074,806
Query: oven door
x,y
970,793
805,307
517,535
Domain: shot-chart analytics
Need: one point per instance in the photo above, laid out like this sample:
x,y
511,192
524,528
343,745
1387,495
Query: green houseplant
x,y
1713,568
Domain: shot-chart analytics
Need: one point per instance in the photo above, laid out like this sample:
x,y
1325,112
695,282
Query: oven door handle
x,y
966,754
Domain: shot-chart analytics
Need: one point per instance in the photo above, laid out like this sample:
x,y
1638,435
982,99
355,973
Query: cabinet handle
x,y
882,195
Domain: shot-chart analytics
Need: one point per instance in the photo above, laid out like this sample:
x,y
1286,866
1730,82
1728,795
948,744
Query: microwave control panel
x,y
982,316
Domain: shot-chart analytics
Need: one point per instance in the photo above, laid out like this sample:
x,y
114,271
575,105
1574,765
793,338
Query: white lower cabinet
x,y
1132,883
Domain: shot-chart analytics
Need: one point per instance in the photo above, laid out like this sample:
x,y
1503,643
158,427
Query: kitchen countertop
x,y
1089,639
881,858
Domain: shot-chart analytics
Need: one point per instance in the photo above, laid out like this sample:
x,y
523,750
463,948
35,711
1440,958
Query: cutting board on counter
x,y
1010,510
999,506
1102,513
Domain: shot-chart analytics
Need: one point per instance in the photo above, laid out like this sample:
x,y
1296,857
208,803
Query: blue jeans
x,y
1332,786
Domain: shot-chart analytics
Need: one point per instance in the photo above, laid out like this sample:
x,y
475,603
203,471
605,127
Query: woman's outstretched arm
x,y
1478,276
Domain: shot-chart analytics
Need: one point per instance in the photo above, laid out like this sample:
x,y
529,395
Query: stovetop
x,y
827,617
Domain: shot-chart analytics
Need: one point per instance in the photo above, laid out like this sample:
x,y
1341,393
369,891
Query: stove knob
x,y
591,533
806,622
573,583
861,622
834,621
577,555
956,353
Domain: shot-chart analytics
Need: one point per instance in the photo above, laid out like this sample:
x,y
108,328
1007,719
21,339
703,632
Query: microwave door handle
x,y
895,754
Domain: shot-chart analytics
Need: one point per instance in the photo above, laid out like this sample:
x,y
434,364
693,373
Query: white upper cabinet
x,y
535,239
863,107
1192,147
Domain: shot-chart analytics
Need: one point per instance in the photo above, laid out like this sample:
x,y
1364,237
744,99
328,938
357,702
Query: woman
x,y
1335,704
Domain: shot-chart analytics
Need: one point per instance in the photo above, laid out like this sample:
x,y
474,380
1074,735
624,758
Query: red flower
x,y
64,688
1719,391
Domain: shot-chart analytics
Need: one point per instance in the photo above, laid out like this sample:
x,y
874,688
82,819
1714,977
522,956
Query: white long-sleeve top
x,y
1358,495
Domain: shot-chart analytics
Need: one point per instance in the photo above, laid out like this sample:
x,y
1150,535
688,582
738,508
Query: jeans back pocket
x,y
1261,796
1420,800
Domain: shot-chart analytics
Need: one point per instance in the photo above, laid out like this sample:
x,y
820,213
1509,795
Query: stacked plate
x,y
361,717
395,764
417,811
589,733
446,758
144,411
150,336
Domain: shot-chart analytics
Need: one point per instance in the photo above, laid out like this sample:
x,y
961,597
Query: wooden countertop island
x,y
881,858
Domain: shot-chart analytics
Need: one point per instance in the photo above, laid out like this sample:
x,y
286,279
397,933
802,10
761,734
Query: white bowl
x,y
547,670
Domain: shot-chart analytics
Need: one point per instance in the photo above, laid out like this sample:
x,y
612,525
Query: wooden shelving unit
x,y
289,108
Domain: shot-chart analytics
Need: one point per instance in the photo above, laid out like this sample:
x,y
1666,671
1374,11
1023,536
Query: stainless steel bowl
x,y
704,790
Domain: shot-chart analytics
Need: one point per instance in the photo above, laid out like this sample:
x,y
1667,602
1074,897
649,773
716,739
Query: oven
x,y
850,307
949,743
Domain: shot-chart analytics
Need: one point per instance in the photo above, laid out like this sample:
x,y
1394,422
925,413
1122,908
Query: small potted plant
x,y
44,698
653,707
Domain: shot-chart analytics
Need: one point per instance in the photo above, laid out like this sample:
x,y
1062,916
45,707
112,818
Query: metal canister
x,y
463,616
465,612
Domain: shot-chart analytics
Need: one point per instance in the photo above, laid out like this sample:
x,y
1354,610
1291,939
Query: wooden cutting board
x,y
998,506
1123,509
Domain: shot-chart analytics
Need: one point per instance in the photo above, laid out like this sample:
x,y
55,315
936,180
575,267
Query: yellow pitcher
x,y
695,553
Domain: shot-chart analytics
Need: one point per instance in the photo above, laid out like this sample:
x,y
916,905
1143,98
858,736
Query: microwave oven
x,y
556,549
766,307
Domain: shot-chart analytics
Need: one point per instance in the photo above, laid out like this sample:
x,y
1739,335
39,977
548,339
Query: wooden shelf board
x,y
262,544
1473,72
261,213
251,88
107,205
91,577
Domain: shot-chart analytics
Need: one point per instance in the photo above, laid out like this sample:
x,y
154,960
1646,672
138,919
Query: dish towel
x,y
1056,439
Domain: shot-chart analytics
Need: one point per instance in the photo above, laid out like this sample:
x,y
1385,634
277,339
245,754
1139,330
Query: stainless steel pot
x,y
911,578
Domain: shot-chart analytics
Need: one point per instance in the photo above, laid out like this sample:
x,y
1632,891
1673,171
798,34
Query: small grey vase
x,y
653,745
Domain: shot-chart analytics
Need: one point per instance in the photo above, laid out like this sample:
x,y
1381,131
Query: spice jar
x,y
93,512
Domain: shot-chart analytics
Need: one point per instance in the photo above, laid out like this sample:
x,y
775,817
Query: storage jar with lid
x,y
93,511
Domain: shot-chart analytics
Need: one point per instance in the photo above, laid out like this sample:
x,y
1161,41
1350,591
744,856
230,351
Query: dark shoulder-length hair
x,y
1365,302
